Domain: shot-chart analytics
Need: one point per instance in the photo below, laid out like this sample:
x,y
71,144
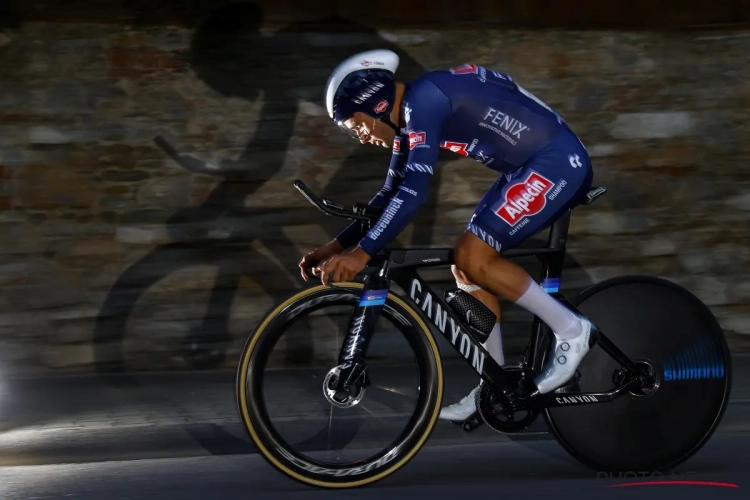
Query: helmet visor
x,y
344,109
357,132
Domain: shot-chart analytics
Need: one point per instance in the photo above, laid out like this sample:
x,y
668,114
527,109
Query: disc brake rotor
x,y
354,395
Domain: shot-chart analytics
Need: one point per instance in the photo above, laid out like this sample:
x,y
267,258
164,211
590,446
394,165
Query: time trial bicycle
x,y
659,370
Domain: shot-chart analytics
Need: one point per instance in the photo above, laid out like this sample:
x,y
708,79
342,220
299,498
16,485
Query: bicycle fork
x,y
351,360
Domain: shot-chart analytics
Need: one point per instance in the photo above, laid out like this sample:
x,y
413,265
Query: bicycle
x,y
661,373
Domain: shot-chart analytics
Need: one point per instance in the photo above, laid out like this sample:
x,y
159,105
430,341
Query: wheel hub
x,y
650,383
349,396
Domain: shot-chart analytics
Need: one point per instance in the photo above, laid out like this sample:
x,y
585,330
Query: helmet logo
x,y
382,106
368,92
367,63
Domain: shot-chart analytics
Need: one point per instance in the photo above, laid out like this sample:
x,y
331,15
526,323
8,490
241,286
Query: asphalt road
x,y
523,470
178,436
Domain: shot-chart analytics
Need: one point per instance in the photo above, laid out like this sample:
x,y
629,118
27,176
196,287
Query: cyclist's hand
x,y
343,267
320,254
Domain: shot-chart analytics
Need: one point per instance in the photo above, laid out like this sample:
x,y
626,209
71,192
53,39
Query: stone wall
x,y
147,172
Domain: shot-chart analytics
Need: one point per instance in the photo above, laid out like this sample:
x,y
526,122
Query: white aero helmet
x,y
363,82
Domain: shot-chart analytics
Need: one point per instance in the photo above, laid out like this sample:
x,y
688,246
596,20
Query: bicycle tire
x,y
303,469
629,310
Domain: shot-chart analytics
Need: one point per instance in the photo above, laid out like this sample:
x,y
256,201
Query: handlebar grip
x,y
310,196
302,188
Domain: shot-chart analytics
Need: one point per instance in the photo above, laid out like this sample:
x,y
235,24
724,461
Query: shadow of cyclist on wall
x,y
284,69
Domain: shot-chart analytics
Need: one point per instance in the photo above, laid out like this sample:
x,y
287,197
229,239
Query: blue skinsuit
x,y
544,168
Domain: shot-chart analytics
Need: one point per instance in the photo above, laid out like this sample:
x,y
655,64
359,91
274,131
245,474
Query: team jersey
x,y
470,110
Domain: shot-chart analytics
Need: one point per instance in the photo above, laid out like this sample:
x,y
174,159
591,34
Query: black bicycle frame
x,y
400,267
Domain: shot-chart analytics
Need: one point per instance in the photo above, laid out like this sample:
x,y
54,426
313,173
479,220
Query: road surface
x,y
178,436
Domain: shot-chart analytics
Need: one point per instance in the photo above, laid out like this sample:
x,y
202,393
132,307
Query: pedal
x,y
473,422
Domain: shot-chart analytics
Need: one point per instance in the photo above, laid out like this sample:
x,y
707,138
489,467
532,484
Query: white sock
x,y
563,322
494,345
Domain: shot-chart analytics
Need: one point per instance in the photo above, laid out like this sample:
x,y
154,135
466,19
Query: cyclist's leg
x,y
537,195
489,299
465,408
555,179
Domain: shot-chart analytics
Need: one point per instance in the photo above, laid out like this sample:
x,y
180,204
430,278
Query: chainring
x,y
499,418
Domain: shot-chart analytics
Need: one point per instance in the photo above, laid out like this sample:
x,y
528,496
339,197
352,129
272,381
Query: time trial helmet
x,y
363,82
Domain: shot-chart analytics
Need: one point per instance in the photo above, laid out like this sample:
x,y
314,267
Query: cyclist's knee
x,y
462,281
460,275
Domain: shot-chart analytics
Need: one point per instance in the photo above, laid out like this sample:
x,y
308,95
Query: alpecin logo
x,y
525,198
416,138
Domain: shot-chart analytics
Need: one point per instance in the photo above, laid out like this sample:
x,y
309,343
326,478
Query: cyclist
x,y
543,170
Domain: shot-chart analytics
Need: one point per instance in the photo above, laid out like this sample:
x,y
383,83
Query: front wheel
x,y
307,458
670,332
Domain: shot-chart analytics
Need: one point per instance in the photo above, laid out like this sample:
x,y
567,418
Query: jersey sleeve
x,y
356,230
426,108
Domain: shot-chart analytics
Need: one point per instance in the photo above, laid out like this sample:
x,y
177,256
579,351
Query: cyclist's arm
x,y
356,230
427,109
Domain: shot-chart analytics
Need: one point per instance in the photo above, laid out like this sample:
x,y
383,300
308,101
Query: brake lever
x,y
332,204
367,210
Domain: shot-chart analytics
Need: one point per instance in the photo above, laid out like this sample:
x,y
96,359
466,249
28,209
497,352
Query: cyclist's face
x,y
369,130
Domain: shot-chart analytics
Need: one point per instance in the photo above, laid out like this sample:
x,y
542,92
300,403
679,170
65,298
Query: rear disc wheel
x,y
670,332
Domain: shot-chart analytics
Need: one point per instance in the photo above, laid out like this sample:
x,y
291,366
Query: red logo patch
x,y
382,105
525,198
456,147
416,138
465,69
396,145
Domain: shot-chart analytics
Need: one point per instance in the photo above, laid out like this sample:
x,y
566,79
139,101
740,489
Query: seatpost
x,y
558,235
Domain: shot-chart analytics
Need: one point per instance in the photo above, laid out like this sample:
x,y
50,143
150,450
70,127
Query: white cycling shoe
x,y
462,410
566,356
558,370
